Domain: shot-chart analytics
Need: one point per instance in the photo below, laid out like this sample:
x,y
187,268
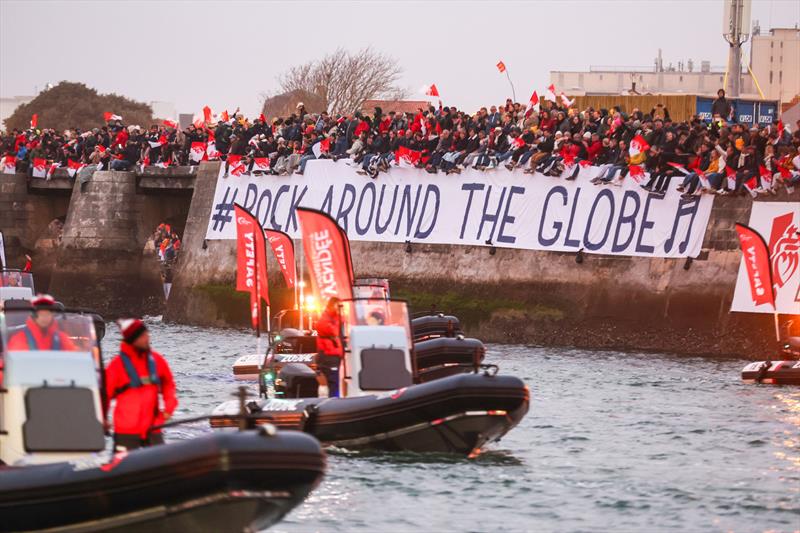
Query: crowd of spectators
x,y
556,139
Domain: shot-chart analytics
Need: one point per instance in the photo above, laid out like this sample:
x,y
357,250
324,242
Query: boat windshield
x,y
372,283
375,312
23,330
16,278
370,292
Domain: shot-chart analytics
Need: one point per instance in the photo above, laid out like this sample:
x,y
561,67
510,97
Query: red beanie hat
x,y
131,329
44,301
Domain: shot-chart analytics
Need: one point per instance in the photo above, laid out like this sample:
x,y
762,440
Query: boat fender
x,y
267,430
309,418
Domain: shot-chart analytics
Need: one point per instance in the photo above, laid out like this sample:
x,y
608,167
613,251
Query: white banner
x,y
3,263
778,223
497,207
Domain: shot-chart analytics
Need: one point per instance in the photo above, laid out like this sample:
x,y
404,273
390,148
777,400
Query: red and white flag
x,y
39,168
34,121
432,91
636,172
533,103
9,164
730,174
251,262
321,147
638,145
566,101
757,262
224,116
766,175
680,168
170,123
162,140
109,116
550,94
197,151
51,169
211,150
405,157
235,165
518,142
751,185
164,164
327,250
73,167
207,114
501,66
283,248
261,164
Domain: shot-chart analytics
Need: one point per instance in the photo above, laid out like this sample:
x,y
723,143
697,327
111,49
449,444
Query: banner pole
x,y
513,92
258,299
301,282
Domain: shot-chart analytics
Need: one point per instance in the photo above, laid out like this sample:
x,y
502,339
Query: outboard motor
x,y
296,380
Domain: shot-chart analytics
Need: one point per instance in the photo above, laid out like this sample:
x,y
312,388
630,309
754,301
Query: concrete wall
x,y
518,295
101,262
24,220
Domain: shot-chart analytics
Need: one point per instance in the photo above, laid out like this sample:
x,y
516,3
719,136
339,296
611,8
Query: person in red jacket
x,y
41,331
329,346
135,378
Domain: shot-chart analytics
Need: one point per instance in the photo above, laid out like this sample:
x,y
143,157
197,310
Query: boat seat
x,y
62,419
383,369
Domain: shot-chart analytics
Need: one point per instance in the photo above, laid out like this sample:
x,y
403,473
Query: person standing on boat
x,y
41,331
329,346
136,378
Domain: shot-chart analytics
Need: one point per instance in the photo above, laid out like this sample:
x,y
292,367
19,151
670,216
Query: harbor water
x,y
613,441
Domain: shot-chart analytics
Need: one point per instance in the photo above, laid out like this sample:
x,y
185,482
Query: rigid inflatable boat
x,y
786,372
441,351
242,481
57,475
382,408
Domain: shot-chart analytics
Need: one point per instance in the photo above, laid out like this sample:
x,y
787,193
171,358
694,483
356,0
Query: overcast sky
x,y
225,54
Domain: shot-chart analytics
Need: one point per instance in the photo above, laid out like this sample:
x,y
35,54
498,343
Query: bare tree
x,y
345,80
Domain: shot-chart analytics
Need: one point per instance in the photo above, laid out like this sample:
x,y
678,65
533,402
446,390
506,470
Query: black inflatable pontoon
x,y
444,356
242,481
457,414
435,325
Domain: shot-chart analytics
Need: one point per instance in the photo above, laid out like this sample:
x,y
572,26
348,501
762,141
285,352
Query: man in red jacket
x,y
135,378
329,345
41,331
